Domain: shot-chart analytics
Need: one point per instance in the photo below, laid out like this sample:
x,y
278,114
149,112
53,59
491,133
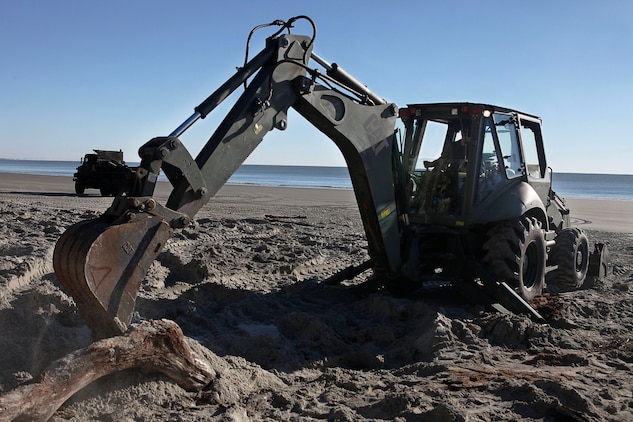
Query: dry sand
x,y
243,283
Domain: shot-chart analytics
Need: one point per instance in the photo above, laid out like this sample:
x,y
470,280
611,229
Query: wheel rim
x,y
530,272
581,259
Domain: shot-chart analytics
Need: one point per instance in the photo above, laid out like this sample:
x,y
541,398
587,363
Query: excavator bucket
x,y
102,264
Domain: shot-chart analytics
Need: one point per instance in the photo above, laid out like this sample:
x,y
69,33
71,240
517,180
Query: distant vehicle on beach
x,y
106,171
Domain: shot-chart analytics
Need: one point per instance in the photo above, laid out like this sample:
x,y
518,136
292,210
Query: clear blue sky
x,y
77,75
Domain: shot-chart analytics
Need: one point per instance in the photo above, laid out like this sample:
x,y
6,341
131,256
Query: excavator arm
x,y
102,262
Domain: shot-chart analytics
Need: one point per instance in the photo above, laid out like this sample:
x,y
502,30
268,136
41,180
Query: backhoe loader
x,y
480,215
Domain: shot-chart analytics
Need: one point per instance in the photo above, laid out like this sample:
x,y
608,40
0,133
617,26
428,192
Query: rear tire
x,y
571,254
105,192
515,253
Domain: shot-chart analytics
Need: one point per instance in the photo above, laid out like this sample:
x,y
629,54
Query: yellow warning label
x,y
385,213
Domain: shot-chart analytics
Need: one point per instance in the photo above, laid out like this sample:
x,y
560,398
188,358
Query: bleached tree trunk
x,y
156,346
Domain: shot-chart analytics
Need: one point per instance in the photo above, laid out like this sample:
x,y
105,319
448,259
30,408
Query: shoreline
x,y
610,215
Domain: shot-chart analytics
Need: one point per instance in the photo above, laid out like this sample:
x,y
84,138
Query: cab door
x,y
501,156
539,176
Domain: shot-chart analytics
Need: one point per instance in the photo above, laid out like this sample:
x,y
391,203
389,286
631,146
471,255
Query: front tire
x,y
79,188
515,252
571,254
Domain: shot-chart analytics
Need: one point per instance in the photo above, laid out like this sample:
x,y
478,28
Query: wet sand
x,y
593,214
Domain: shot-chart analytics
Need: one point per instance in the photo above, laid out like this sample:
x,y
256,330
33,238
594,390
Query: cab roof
x,y
460,108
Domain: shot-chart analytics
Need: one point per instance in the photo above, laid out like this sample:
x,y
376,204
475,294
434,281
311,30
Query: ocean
x,y
569,185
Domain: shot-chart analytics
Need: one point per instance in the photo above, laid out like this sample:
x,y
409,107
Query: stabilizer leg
x,y
503,294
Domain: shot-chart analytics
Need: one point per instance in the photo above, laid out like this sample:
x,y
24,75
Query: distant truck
x,y
106,171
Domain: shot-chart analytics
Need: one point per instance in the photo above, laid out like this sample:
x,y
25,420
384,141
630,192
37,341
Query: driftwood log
x,y
155,346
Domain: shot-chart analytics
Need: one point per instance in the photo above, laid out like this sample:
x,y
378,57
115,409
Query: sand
x,y
243,282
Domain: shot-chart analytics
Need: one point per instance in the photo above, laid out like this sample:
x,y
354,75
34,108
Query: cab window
x,y
489,170
531,139
435,134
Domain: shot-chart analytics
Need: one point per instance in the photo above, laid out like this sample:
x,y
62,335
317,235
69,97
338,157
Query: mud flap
x,y
599,262
102,265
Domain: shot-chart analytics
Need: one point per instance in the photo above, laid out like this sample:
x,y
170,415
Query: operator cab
x,y
461,159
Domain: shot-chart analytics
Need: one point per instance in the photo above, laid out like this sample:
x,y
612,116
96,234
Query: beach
x,y
594,214
243,281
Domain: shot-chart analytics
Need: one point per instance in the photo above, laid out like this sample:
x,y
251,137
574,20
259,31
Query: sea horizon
x,y
136,163
579,185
